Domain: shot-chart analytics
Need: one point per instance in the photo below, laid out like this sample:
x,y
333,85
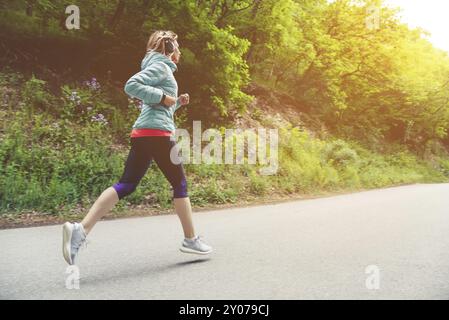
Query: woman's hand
x,y
184,99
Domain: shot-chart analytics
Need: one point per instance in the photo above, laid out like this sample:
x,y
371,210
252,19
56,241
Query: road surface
x,y
382,244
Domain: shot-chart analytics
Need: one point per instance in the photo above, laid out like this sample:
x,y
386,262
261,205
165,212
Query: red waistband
x,y
150,133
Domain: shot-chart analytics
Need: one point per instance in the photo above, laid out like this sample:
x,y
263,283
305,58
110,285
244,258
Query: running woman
x,y
151,139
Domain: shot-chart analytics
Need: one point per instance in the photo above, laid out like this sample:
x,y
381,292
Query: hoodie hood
x,y
155,56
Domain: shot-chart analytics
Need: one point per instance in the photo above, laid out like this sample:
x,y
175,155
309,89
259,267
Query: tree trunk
x,y
29,8
117,14
213,7
252,36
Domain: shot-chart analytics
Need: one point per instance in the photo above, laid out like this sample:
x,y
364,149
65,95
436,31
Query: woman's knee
x,y
124,188
180,189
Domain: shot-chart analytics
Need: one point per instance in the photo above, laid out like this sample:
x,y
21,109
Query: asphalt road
x,y
311,249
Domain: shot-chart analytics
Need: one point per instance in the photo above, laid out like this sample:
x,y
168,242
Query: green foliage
x,y
57,163
225,53
35,96
53,163
381,93
340,153
213,69
384,85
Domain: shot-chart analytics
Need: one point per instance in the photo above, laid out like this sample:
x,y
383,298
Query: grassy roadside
x,y
57,156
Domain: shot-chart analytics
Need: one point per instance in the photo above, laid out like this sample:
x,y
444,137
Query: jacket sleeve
x,y
141,85
177,104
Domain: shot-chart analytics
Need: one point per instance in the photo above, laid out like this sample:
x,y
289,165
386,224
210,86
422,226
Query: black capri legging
x,y
143,151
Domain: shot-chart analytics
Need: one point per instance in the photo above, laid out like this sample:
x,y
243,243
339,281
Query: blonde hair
x,y
157,40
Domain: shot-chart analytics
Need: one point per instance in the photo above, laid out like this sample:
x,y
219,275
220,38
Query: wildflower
x,y
100,119
74,97
93,84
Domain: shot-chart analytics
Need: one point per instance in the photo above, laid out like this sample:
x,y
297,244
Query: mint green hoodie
x,y
148,86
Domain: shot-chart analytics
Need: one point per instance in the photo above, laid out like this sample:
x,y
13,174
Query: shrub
x,y
340,153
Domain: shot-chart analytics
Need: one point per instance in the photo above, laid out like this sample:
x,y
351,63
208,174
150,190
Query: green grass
x,y
54,159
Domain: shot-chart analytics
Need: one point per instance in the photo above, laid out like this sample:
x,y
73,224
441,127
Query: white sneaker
x,y
73,236
196,246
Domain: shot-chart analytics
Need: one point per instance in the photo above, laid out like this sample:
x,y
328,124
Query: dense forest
x,y
372,87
